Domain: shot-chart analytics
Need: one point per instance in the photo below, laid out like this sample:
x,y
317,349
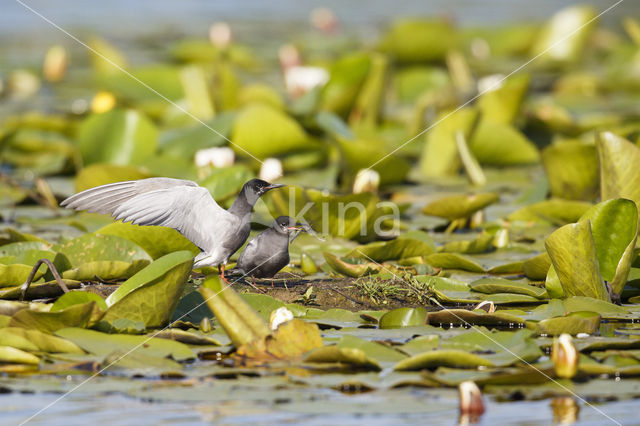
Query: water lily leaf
x,y
573,254
572,170
516,267
508,298
441,358
262,304
537,267
263,131
420,344
151,295
290,341
459,206
552,283
117,137
190,337
185,141
507,347
501,285
580,303
93,247
77,298
403,317
103,344
105,270
411,82
618,174
34,340
565,35
15,236
453,261
440,153
17,248
502,104
354,357
351,267
478,317
574,323
28,257
557,212
614,224
16,356
227,182
155,240
362,154
500,144
401,248
346,77
74,316
15,275
415,40
555,308
381,353
102,174
41,290
482,244
241,323
101,49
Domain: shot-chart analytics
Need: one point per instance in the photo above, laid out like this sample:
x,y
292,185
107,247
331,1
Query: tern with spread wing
x,y
182,205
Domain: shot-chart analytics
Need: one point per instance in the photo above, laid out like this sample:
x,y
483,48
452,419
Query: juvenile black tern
x,y
265,255
182,205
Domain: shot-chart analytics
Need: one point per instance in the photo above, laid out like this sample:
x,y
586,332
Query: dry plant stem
x,y
54,271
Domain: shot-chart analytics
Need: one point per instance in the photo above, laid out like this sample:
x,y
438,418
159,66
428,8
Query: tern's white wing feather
x,y
177,204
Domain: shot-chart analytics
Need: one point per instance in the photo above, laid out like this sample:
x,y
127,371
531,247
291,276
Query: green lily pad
x,y
400,248
93,247
351,267
353,357
618,173
77,298
477,317
557,212
151,295
573,254
500,285
118,137
453,261
614,224
102,174
574,323
346,77
263,131
103,344
552,283
105,270
459,206
15,275
403,317
370,154
416,40
572,170
501,144
16,356
503,103
482,244
442,358
155,240
41,290
537,267
74,316
581,303
225,183
34,340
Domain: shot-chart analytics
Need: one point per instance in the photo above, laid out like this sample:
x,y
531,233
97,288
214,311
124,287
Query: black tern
x,y
265,255
182,205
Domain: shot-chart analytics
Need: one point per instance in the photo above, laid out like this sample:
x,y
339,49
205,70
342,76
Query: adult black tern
x,y
182,205
268,253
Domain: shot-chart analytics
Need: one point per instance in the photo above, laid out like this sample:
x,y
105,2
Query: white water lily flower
x,y
220,34
217,157
300,79
470,398
367,180
280,316
271,169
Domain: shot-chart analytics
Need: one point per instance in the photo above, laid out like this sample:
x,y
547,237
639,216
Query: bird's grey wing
x,y
249,253
106,198
181,205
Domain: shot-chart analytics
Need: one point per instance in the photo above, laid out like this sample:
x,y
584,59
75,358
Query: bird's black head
x,y
254,188
286,225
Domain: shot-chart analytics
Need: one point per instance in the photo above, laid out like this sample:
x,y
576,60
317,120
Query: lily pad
x,y
459,206
403,317
354,267
77,298
453,261
442,358
573,254
14,275
501,144
16,356
618,174
34,340
572,170
93,247
415,40
353,357
501,285
400,248
101,174
574,323
73,316
105,270
557,212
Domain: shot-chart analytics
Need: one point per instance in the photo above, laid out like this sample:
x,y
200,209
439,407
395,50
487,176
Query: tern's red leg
x,y
222,277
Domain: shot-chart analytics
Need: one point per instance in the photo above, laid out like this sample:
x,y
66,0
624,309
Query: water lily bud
x,y
323,19
103,102
217,157
476,219
565,356
220,34
271,169
299,80
307,264
23,84
501,238
470,398
205,325
490,83
280,316
367,180
487,306
55,64
565,410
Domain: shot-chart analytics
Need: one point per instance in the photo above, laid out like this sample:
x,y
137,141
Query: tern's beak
x,y
297,227
273,186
